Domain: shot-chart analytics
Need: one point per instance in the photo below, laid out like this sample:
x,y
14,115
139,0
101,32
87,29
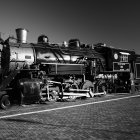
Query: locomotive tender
x,y
35,72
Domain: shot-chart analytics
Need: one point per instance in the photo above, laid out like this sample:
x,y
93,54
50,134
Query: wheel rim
x,y
5,103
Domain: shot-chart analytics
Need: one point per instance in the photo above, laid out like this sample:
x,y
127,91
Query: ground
x,y
111,117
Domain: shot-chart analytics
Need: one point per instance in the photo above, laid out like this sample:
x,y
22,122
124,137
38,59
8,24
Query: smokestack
x,y
21,35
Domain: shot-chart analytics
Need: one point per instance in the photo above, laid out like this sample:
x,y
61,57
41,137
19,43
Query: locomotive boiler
x,y
26,65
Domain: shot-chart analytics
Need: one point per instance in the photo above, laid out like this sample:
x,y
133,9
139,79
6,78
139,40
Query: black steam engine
x,y
36,72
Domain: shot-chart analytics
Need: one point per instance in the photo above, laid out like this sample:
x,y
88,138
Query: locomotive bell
x,y
21,35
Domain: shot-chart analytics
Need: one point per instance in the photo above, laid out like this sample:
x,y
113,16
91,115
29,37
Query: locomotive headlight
x,y
21,83
115,56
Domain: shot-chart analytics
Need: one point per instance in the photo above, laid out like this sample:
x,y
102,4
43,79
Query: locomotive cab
x,y
121,63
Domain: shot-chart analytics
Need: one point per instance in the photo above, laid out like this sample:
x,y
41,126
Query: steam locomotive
x,y
36,72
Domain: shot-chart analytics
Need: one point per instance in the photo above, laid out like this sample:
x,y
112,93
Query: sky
x,y
113,22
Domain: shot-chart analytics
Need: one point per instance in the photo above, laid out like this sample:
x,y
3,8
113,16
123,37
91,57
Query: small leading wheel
x,y
5,102
102,88
51,98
